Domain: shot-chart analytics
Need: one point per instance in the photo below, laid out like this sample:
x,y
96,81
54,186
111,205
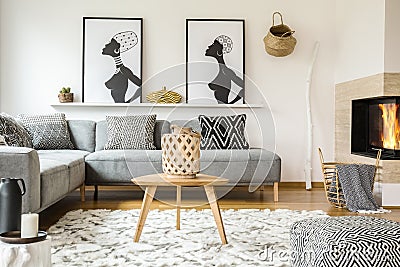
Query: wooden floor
x,y
239,198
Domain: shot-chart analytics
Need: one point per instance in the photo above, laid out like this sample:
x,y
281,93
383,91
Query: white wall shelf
x,y
151,105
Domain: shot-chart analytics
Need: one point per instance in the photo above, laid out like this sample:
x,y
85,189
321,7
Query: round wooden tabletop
x,y
161,179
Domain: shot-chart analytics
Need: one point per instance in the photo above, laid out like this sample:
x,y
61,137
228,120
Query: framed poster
x,y
215,61
112,60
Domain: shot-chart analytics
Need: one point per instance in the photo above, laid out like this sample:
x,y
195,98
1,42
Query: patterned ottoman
x,y
345,241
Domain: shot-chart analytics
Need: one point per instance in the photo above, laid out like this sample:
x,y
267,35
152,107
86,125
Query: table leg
x,y
147,199
178,207
212,199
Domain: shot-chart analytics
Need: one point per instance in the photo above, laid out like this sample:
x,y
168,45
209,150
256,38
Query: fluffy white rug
x,y
105,238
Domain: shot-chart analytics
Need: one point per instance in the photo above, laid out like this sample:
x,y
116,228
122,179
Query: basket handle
x,y
291,32
273,18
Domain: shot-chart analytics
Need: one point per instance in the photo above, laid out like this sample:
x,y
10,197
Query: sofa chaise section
x,y
49,175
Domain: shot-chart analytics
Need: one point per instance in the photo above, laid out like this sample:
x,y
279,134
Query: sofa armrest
x,y
23,162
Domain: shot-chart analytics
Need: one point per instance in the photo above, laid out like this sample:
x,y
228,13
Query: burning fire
x,y
390,135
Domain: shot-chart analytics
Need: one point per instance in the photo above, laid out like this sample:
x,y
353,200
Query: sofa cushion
x,y
83,134
72,159
13,132
130,132
129,155
161,127
224,155
223,132
47,131
120,166
54,181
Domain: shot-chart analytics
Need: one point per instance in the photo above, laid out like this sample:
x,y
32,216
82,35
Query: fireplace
x,y
375,125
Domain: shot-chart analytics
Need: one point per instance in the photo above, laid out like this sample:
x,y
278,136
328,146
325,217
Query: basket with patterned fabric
x,y
333,189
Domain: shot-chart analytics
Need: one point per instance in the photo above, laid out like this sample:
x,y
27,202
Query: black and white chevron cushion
x,y
14,133
345,241
130,132
223,132
47,131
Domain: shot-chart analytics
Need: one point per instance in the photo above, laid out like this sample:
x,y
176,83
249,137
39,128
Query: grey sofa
x,y
51,174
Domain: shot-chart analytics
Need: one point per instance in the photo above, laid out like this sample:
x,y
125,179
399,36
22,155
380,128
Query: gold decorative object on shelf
x,y
164,97
181,153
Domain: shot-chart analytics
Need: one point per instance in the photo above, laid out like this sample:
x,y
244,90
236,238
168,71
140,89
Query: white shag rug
x,y
105,238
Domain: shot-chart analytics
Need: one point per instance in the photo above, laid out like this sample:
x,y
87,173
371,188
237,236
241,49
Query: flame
x,y
390,134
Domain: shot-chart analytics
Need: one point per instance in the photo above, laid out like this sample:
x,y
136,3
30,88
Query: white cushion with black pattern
x,y
49,131
345,241
223,132
130,132
14,133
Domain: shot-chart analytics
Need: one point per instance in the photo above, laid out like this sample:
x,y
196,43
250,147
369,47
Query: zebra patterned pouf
x,y
345,241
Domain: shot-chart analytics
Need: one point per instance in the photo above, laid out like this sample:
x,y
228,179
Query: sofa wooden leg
x,y
276,193
96,192
82,191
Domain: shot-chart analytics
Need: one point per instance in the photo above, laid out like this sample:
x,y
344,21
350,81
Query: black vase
x,y
11,204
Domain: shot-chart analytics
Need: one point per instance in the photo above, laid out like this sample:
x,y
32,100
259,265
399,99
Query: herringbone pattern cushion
x,y
14,134
130,132
47,131
223,132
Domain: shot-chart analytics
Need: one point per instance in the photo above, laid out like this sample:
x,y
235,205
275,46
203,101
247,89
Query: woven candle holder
x,y
181,153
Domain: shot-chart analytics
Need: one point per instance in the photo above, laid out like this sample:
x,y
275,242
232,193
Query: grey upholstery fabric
x,y
101,135
73,159
54,181
162,127
82,134
120,166
255,166
22,162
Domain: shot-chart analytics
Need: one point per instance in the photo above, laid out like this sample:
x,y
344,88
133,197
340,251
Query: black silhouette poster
x,y
112,60
215,61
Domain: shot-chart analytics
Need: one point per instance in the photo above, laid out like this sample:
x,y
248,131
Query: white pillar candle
x,y
29,225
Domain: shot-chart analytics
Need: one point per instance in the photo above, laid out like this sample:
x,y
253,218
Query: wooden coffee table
x,y
152,181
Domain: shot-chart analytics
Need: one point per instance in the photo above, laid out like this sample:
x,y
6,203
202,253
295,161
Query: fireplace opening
x,y
375,126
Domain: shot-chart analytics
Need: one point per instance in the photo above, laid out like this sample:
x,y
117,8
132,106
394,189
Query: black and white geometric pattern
x,y
13,132
363,241
47,131
356,181
130,132
223,132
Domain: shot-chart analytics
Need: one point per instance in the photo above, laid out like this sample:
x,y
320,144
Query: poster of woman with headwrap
x,y
215,61
112,60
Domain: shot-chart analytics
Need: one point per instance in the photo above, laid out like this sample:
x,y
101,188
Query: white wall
x,y
359,39
41,51
392,36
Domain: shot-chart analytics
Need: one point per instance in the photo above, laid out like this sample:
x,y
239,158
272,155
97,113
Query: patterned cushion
x,y
130,132
47,131
223,132
13,132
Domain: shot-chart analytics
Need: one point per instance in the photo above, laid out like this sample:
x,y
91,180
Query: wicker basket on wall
x,y
279,41
181,153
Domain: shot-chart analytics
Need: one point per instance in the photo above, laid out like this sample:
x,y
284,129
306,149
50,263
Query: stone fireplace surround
x,y
387,183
